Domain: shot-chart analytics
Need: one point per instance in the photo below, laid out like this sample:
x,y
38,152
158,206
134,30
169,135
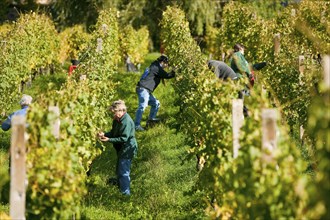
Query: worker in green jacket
x,y
241,67
122,135
238,62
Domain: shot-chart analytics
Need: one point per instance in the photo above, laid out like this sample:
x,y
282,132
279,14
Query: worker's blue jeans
x,y
123,174
145,98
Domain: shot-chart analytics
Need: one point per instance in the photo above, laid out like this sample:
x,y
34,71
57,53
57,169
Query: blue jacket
x,y
7,123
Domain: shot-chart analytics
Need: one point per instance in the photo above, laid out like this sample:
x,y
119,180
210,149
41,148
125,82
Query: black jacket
x,y
151,79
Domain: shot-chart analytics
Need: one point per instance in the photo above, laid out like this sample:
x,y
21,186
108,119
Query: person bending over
x,y
147,84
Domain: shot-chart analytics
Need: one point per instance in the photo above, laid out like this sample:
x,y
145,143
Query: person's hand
x,y
251,78
251,75
100,134
104,138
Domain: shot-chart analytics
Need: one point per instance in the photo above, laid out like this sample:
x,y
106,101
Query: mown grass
x,y
161,178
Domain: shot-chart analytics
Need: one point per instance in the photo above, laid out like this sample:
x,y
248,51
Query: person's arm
x,y
259,66
6,125
110,133
124,134
165,75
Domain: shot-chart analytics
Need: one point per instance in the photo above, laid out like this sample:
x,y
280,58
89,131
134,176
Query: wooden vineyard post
x,y
20,87
56,124
301,66
301,132
326,70
104,28
17,169
237,114
277,44
29,82
99,45
269,129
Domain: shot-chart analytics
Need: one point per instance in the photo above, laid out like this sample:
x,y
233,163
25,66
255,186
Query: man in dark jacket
x,y
147,84
222,70
122,135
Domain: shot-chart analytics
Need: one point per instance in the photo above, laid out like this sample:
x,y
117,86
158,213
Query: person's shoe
x,y
154,120
139,128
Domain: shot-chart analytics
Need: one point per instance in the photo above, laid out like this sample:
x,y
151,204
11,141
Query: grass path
x,y
162,180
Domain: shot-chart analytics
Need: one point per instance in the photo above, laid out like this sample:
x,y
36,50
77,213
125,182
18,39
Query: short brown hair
x,y
237,47
118,105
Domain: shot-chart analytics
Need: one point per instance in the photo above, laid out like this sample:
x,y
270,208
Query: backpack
x,y
145,73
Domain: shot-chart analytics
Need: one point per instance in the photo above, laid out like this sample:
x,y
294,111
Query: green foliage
x,y
246,187
212,44
73,41
55,187
251,186
31,44
240,24
313,23
5,30
317,188
302,86
135,43
83,112
301,33
200,14
102,56
4,174
203,111
70,13
267,9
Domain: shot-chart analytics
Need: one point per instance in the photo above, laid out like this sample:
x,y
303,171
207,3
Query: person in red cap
x,y
73,66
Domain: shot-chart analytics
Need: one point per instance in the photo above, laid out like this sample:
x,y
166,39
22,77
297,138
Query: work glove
x,y
252,79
